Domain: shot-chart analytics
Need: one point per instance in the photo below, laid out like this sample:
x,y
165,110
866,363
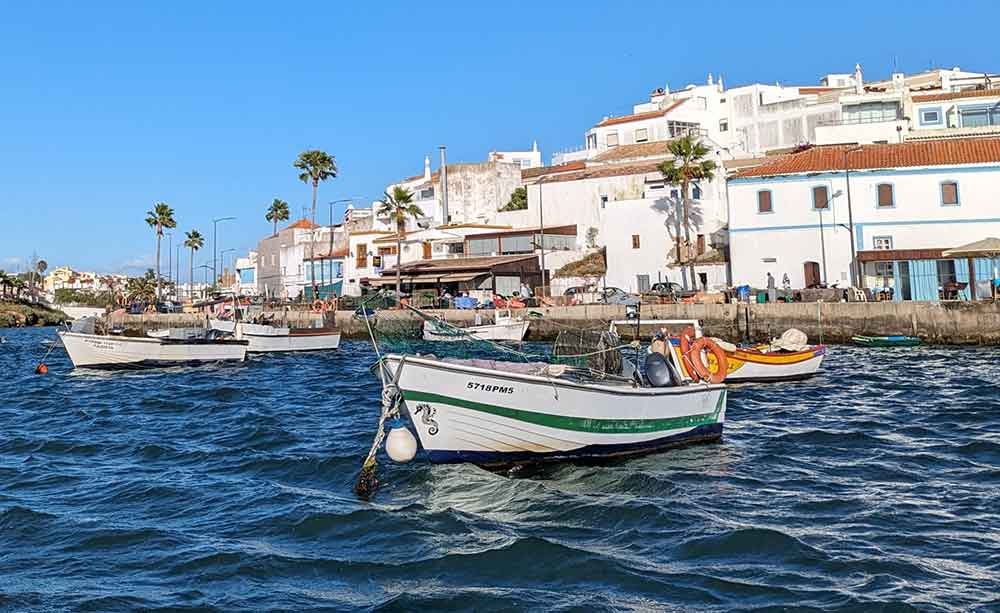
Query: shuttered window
x,y
361,259
820,198
764,201
949,193
635,241
885,196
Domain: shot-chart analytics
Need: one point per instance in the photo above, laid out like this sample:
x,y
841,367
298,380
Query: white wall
x,y
918,220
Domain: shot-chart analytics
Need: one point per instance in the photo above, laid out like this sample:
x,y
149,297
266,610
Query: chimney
x,y
534,145
721,87
859,84
898,80
945,82
427,168
710,81
444,188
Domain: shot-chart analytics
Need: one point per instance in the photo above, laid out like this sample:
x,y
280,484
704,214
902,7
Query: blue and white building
x,y
909,202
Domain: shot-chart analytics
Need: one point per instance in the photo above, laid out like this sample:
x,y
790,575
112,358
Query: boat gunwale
x,y
696,388
158,341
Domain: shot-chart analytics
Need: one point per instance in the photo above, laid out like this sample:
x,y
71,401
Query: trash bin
x,y
761,297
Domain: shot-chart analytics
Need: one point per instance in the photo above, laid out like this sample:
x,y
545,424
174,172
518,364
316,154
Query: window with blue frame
x,y
885,198
949,193
696,192
764,204
930,117
821,198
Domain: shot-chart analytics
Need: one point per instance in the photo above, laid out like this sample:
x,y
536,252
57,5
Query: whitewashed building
x,y
909,203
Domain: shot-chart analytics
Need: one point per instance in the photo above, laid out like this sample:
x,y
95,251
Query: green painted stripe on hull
x,y
577,424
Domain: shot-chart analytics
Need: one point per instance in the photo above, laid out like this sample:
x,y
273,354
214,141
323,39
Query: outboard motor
x,y
658,371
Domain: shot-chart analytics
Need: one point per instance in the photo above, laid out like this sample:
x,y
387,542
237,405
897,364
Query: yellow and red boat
x,y
761,363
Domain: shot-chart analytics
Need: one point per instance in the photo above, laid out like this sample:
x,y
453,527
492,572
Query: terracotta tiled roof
x,y
597,172
529,173
924,153
818,90
969,93
302,224
639,150
610,121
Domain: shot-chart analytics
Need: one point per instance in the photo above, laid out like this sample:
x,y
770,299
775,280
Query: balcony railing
x,y
854,121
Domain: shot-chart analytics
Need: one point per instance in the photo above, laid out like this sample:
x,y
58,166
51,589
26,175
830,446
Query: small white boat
x,y
264,338
502,413
505,327
89,350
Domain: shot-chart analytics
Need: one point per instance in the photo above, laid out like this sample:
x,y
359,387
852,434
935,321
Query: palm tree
x,y
398,206
140,289
162,216
17,286
689,165
316,166
194,242
277,212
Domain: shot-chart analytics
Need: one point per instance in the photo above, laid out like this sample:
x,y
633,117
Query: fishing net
x,y
588,352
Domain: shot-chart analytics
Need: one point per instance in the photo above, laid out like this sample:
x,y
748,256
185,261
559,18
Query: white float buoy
x,y
400,444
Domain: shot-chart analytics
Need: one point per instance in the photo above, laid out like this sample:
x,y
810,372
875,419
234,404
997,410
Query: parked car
x,y
671,289
580,289
615,295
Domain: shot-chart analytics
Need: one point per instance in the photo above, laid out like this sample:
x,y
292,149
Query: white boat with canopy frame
x,y
586,400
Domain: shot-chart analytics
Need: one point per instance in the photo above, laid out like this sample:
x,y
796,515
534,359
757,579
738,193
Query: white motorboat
x,y
265,338
505,327
502,413
89,350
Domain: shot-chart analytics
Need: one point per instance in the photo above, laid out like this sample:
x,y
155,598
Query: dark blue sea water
x,y
875,486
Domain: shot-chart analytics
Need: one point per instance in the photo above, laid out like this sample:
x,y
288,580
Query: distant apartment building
x,y
287,262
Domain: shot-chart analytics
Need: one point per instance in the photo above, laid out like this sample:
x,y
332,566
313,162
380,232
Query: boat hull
x,y
488,417
750,366
274,339
511,331
886,341
96,351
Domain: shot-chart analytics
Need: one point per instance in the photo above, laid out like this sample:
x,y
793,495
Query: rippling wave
x,y
874,486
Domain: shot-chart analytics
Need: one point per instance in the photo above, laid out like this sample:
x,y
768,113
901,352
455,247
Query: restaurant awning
x,y
428,278
986,248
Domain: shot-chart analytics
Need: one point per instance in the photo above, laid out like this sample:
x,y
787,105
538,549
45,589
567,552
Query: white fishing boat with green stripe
x,y
501,413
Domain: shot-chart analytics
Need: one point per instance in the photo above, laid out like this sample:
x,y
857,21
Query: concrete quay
x,y
948,323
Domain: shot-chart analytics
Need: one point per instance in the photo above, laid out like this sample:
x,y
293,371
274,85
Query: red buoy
x,y
42,369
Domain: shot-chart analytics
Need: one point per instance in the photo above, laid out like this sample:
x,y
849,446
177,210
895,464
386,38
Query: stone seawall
x,y
958,323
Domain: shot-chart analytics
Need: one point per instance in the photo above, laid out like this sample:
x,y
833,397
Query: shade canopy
x,y
986,248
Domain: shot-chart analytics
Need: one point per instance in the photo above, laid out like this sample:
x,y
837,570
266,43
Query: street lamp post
x,y
855,273
329,253
541,232
177,280
822,237
170,255
222,258
215,246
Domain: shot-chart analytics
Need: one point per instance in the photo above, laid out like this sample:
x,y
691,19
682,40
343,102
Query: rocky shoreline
x,y
20,314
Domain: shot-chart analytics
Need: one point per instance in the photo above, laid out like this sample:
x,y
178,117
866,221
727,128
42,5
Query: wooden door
x,y
812,274
427,250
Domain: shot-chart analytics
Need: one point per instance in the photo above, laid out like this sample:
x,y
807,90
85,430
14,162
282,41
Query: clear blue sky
x,y
108,107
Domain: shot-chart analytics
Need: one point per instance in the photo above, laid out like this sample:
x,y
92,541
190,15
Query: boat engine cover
x,y
658,370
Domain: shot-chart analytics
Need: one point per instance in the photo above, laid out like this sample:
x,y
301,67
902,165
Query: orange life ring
x,y
318,306
701,367
687,338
